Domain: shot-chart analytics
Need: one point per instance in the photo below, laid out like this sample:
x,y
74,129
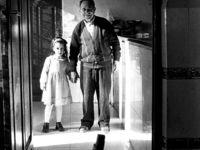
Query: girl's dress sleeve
x,y
45,70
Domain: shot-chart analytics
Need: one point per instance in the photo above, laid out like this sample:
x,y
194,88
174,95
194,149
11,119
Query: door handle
x,y
14,12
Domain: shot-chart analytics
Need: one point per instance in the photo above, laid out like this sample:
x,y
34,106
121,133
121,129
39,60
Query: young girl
x,y
54,83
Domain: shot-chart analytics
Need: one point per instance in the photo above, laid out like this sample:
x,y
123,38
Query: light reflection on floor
x,y
71,138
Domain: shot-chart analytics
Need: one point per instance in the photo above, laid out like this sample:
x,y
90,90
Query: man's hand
x,y
115,66
73,77
43,87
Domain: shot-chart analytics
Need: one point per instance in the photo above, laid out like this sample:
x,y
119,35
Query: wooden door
x,y
16,130
43,31
19,70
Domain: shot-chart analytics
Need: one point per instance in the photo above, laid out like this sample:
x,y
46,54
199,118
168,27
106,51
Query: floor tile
x,y
71,138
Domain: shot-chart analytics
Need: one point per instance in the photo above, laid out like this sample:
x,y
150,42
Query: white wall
x,y
122,9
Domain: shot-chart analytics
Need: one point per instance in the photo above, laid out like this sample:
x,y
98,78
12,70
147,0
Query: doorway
x,y
72,114
21,125
38,57
44,16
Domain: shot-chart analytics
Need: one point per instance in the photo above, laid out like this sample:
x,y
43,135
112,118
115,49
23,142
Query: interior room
x,y
66,17
154,94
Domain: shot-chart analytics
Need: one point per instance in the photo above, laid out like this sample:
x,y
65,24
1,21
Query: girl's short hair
x,y
91,2
62,41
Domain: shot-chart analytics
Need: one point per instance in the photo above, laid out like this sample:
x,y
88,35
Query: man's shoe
x,y
104,127
83,129
45,128
59,126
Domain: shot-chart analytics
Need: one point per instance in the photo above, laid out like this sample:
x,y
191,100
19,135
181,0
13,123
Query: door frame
x,y
156,77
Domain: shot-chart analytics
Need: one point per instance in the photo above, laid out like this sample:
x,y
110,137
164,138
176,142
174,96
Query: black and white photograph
x,y
99,74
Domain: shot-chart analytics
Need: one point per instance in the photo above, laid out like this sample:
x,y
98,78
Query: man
x,y
96,44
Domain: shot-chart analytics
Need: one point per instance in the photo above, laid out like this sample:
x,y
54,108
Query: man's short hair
x,y
91,2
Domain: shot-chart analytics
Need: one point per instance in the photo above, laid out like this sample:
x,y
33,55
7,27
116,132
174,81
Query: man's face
x,y
87,10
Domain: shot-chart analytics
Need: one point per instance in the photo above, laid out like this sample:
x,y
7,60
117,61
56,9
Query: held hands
x,y
73,77
43,86
115,66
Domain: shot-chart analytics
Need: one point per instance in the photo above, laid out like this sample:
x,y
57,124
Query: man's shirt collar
x,y
90,22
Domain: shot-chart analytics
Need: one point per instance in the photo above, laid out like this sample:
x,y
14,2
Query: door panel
x,y
19,67
42,33
16,90
15,77
5,126
26,76
46,23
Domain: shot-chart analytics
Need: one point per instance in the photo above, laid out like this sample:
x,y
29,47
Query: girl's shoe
x,y
59,126
45,128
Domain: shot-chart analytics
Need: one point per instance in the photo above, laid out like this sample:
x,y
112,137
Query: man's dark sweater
x,y
98,49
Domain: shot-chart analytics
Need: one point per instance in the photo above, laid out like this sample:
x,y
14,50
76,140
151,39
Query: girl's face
x,y
58,48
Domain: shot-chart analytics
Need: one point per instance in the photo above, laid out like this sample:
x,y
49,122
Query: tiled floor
x,y
71,138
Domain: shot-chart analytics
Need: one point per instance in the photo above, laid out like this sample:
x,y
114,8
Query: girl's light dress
x,y
57,86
